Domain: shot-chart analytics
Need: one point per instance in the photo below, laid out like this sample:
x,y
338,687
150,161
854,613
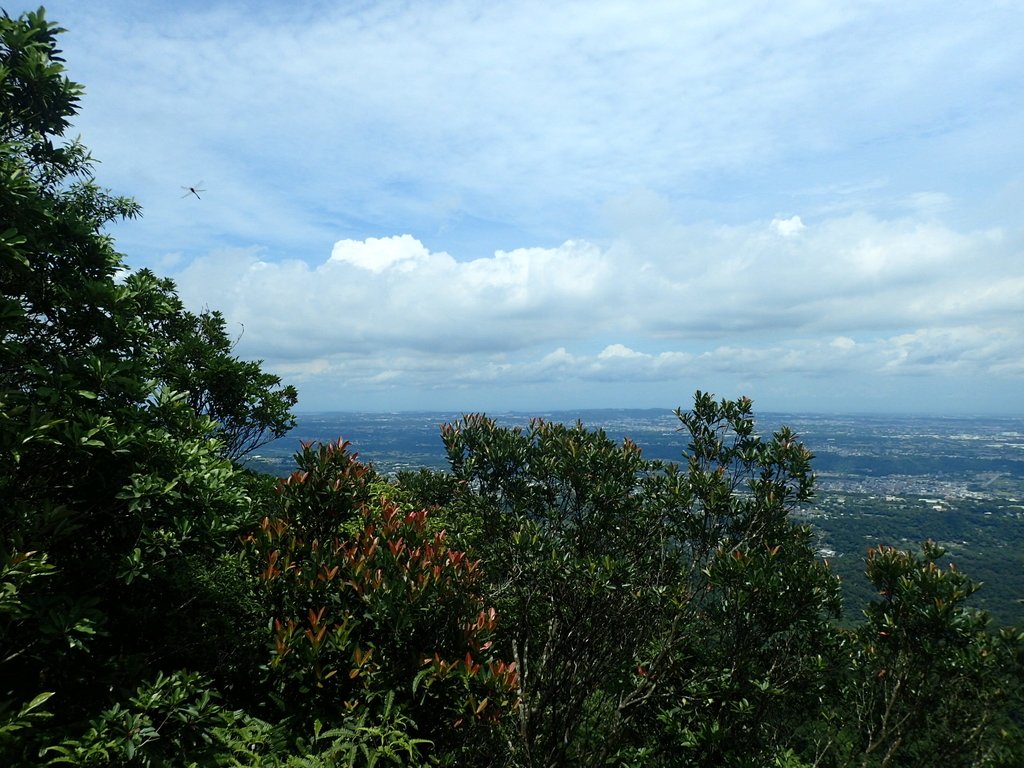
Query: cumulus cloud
x,y
379,254
619,351
788,227
393,292
851,296
855,274
799,372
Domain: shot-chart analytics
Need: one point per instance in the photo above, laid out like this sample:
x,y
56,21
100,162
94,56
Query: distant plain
x,y
882,479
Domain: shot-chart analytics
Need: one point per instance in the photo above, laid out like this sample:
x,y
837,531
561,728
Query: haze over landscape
x,y
459,206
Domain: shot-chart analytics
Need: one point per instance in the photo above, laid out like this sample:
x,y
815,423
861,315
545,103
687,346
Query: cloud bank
x,y
852,296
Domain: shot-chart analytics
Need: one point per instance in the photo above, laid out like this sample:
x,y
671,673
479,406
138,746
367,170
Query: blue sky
x,y
535,205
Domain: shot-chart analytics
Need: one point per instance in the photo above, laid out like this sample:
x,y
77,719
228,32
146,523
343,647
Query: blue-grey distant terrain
x,y
881,480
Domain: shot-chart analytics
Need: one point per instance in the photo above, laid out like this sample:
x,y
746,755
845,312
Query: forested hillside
x,y
552,598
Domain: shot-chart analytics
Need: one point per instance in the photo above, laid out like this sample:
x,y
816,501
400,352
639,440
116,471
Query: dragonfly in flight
x,y
194,190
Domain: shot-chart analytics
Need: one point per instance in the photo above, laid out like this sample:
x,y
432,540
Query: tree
x,y
374,611
567,549
656,613
119,504
925,674
249,405
744,669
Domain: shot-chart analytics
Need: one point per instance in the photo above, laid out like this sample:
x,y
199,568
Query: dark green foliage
x,y
747,667
982,536
172,721
567,554
362,742
426,488
925,675
117,493
327,493
642,593
249,406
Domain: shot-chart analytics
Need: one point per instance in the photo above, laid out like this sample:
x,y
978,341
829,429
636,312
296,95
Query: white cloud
x,y
855,296
378,254
800,371
620,351
788,227
393,292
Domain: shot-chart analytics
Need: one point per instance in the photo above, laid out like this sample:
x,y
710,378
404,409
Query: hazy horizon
x,y
758,413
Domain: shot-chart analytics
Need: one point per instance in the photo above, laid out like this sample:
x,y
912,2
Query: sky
x,y
470,205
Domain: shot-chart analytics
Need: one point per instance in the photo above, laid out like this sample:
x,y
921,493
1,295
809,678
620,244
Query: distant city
x,y
961,456
881,480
